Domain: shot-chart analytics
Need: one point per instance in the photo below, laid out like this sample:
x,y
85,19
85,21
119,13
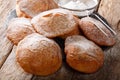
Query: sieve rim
x,y
79,10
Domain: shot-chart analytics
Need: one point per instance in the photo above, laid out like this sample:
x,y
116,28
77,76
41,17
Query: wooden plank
x,y
110,9
5,7
12,71
5,48
5,44
111,69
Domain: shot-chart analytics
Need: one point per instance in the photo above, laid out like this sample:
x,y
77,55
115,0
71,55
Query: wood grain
x,y
5,45
110,9
12,71
6,6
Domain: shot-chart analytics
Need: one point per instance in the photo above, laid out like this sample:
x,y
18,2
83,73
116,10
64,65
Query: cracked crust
x,y
39,55
83,55
55,23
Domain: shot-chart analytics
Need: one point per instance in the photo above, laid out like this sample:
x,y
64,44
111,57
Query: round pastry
x,y
18,28
89,28
30,8
39,55
83,55
55,23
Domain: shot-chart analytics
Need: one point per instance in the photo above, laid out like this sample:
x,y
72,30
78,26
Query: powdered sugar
x,y
80,4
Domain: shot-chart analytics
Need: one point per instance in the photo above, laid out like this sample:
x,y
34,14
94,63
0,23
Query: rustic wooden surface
x,y
10,70
5,45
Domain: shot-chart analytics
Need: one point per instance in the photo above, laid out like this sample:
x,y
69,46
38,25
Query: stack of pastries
x,y
34,30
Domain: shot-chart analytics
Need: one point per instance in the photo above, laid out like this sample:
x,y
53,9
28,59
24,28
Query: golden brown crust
x,y
75,31
39,55
87,25
83,55
30,8
18,28
55,23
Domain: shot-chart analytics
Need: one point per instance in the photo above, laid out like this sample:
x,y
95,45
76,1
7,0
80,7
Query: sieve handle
x,y
103,21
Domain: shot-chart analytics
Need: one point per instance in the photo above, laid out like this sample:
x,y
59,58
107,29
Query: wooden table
x,y
10,70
